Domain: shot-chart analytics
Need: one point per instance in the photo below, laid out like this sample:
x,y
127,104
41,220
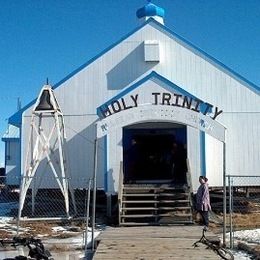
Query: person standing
x,y
203,200
133,160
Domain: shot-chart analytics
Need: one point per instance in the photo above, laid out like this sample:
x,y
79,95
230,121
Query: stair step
x,y
138,208
155,201
156,194
145,188
174,194
155,223
140,201
175,215
173,201
155,215
139,216
174,208
140,195
138,223
156,208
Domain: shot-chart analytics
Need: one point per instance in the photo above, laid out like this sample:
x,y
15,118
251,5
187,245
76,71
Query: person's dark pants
x,y
205,217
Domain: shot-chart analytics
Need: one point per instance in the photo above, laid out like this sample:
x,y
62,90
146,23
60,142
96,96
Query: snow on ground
x,y
249,236
241,255
57,256
67,246
4,220
10,228
76,241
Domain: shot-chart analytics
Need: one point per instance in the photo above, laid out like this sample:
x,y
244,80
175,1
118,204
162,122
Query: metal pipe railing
x,y
87,219
224,194
94,195
231,244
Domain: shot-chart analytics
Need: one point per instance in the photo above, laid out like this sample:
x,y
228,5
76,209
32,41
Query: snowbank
x,y
249,236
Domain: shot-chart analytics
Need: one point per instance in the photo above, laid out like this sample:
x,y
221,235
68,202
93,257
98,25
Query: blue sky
x,y
51,38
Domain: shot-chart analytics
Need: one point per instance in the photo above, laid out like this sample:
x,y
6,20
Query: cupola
x,y
151,10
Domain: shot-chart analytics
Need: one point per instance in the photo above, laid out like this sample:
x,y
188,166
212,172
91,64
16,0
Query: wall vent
x,y
151,51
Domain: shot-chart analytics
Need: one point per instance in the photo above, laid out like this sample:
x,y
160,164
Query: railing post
x,y
224,194
87,219
230,212
94,194
188,175
120,190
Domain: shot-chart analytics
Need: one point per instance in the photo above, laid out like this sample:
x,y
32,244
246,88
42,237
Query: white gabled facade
x,y
121,71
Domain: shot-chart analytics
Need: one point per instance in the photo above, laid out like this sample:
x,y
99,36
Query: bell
x,y
45,102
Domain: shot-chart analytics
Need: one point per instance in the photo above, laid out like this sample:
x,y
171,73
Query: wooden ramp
x,y
153,243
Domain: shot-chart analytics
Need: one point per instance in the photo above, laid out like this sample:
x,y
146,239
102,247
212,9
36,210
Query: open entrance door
x,y
155,153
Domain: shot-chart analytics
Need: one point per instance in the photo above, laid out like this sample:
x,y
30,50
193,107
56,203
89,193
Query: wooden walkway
x,y
153,243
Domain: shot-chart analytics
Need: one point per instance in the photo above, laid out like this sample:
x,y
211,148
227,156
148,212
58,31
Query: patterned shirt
x,y
202,198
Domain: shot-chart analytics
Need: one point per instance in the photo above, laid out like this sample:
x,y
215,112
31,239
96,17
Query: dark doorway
x,y
155,152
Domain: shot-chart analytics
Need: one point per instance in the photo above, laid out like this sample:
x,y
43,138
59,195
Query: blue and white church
x,y
161,111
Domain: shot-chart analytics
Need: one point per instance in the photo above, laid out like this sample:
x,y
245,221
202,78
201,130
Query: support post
x,y
94,194
61,158
230,214
20,208
224,195
109,205
87,219
33,195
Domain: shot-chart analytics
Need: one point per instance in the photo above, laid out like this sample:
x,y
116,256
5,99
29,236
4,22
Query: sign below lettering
x,y
149,113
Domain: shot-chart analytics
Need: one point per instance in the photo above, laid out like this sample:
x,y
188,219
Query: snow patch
x,y
249,236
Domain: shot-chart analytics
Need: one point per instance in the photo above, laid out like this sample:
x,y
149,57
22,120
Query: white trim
x,y
150,113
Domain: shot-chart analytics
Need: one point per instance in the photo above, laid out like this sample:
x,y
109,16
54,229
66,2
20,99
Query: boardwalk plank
x,y
152,243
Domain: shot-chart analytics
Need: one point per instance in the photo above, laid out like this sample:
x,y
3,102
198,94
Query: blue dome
x,y
150,10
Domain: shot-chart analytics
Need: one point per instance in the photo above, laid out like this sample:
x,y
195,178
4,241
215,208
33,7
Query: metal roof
x,y
12,132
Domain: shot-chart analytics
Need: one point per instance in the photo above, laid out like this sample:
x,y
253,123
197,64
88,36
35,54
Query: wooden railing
x,y
120,189
188,177
188,174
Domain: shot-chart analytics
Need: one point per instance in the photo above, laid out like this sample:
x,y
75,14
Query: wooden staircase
x,y
154,204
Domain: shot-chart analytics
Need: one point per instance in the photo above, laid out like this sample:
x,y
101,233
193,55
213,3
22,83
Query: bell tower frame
x,y
46,135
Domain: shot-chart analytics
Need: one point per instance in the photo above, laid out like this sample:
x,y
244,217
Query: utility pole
x,y
19,104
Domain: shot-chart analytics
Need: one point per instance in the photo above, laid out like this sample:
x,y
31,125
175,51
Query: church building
x,y
159,110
